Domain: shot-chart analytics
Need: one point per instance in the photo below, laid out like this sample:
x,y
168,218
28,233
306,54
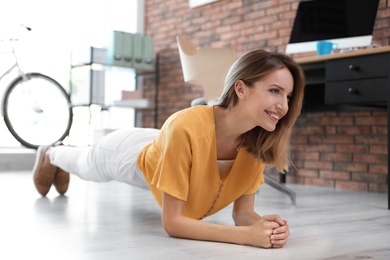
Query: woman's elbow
x,y
237,217
170,226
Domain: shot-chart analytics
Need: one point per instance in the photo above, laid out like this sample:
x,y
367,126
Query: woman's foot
x,y
44,172
61,181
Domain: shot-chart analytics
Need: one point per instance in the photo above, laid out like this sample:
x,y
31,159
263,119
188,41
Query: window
x,y
57,28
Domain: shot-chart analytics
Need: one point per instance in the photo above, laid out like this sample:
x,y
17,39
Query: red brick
x,y
352,167
295,179
364,139
353,148
376,187
331,129
297,148
306,156
320,148
232,6
336,157
331,139
307,173
311,130
378,168
318,165
354,130
266,20
358,186
298,164
366,177
299,139
369,158
264,36
372,120
378,149
335,175
319,182
336,121
379,113
379,129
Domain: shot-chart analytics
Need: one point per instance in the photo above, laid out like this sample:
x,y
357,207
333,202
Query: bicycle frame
x,y
15,65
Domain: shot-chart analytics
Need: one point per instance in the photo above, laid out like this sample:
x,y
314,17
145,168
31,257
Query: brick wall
x,y
337,149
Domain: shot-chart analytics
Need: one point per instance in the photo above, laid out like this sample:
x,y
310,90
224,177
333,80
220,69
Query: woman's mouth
x,y
273,116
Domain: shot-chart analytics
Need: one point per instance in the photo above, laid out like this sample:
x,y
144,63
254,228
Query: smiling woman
x,y
203,158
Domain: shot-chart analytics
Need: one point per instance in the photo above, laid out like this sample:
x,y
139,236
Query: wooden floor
x,y
115,221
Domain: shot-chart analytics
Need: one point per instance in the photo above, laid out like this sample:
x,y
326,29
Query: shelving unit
x,y
88,77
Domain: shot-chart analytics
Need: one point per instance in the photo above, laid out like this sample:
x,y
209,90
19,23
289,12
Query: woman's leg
x,y
79,161
112,158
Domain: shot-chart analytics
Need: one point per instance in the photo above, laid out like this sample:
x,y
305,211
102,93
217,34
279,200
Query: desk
x,y
357,78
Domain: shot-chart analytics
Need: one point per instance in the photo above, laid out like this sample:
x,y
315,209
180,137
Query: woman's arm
x,y
243,211
244,215
178,225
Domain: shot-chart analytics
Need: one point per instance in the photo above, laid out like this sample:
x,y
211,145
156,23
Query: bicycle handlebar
x,y
27,28
15,39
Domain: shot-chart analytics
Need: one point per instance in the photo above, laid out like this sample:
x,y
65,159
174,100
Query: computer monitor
x,y
348,23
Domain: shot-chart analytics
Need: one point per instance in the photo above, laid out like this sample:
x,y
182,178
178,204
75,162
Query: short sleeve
x,y
259,179
173,166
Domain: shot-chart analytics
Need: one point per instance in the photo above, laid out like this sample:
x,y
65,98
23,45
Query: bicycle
x,y
36,108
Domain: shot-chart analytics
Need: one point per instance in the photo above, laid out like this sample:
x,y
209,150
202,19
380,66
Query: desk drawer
x,y
358,67
356,91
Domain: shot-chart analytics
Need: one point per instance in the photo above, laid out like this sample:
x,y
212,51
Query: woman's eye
x,y
275,90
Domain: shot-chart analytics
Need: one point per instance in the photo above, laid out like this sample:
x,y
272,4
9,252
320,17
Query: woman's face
x,y
268,101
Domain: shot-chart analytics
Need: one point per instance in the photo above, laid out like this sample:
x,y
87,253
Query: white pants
x,y
114,157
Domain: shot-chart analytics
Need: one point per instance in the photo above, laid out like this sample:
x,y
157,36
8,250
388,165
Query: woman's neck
x,y
228,134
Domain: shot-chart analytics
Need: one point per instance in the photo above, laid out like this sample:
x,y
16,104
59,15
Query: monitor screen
x,y
348,23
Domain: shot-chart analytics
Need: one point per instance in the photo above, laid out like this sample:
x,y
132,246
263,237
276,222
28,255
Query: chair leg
x,y
281,187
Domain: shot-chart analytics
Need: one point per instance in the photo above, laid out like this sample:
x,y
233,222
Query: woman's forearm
x,y
245,219
257,234
176,224
184,227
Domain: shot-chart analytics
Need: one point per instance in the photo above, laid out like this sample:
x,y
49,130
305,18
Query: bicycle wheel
x,y
37,110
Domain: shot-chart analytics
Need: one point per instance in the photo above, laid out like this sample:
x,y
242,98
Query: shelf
x,y
133,103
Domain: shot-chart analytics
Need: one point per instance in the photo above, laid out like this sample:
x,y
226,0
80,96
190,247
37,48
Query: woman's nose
x,y
283,105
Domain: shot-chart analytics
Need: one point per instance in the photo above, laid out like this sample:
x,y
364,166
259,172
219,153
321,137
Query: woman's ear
x,y
239,87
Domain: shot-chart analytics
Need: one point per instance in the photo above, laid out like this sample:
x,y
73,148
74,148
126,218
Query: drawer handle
x,y
353,91
354,67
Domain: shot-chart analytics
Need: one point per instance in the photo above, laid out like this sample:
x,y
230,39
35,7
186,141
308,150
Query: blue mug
x,y
325,47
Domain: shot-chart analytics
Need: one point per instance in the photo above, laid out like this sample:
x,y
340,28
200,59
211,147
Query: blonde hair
x,y
269,147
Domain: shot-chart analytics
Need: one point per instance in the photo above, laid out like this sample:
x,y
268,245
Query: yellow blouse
x,y
182,161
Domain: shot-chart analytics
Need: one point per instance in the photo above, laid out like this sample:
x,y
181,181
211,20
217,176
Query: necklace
x,y
239,146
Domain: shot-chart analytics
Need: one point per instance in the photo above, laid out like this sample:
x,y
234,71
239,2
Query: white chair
x,y
206,67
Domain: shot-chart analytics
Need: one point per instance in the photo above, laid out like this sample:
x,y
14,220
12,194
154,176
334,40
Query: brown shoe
x,y
61,181
44,172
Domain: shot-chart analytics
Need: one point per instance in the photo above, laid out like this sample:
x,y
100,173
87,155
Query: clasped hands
x,y
269,232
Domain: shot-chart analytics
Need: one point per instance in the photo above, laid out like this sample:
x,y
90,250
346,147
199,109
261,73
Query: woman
x,y
204,157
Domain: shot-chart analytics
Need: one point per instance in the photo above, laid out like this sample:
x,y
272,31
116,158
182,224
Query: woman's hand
x,y
260,233
280,234
263,233
269,231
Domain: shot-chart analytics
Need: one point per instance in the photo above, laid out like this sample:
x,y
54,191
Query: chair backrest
x,y
206,67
